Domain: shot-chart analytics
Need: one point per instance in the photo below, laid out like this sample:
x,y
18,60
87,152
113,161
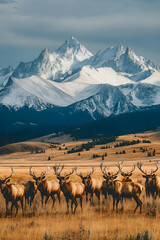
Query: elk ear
x,y
130,174
43,177
67,177
58,177
8,180
153,176
104,177
144,176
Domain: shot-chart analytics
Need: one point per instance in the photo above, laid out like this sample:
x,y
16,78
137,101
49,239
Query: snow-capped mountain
x,y
5,73
53,65
72,82
124,61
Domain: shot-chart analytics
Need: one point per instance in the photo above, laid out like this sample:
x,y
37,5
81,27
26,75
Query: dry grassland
x,y
95,222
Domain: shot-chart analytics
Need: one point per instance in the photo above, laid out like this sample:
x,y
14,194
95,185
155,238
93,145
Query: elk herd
x,y
119,189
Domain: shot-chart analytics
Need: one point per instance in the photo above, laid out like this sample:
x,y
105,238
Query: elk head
x,y
108,175
41,177
62,179
150,175
6,180
126,175
85,179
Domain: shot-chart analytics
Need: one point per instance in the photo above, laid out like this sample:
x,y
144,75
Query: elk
x,y
120,189
91,185
71,190
12,193
48,188
30,191
152,182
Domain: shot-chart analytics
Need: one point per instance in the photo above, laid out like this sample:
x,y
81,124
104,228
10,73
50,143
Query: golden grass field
x,y
95,222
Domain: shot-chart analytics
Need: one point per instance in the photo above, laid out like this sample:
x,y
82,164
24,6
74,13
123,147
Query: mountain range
x,y
70,86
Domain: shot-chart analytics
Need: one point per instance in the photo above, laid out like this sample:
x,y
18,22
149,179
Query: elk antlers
x,y
109,174
42,173
88,174
12,173
78,174
127,174
55,168
58,173
139,165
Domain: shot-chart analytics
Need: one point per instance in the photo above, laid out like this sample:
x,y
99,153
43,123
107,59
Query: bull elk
x,y
71,190
152,182
91,185
12,193
120,189
47,188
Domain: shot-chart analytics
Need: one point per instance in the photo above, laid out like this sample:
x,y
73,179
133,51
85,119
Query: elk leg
x,y
6,208
42,196
117,201
86,197
26,199
16,205
105,194
46,199
67,201
31,200
113,203
139,203
53,198
21,204
98,196
75,202
81,202
12,208
72,205
59,199
91,198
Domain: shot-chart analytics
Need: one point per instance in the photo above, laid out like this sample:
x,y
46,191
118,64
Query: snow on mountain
x,y
124,61
141,94
92,75
53,65
5,73
78,87
102,57
105,102
154,79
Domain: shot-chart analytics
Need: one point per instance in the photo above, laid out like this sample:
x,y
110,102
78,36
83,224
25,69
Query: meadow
x,y
95,221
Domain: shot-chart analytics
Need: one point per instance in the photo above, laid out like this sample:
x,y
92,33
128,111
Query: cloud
x,y
97,24
7,1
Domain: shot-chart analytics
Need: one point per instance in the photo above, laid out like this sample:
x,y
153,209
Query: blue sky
x,y
28,26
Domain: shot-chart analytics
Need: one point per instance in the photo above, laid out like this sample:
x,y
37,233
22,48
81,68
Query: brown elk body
x,y
30,191
92,185
47,188
152,182
12,193
121,189
71,190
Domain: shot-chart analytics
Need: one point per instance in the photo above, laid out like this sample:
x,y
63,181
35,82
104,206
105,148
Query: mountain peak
x,y
120,49
72,47
44,54
68,44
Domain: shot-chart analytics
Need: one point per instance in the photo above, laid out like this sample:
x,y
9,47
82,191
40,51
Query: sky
x,y
29,26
